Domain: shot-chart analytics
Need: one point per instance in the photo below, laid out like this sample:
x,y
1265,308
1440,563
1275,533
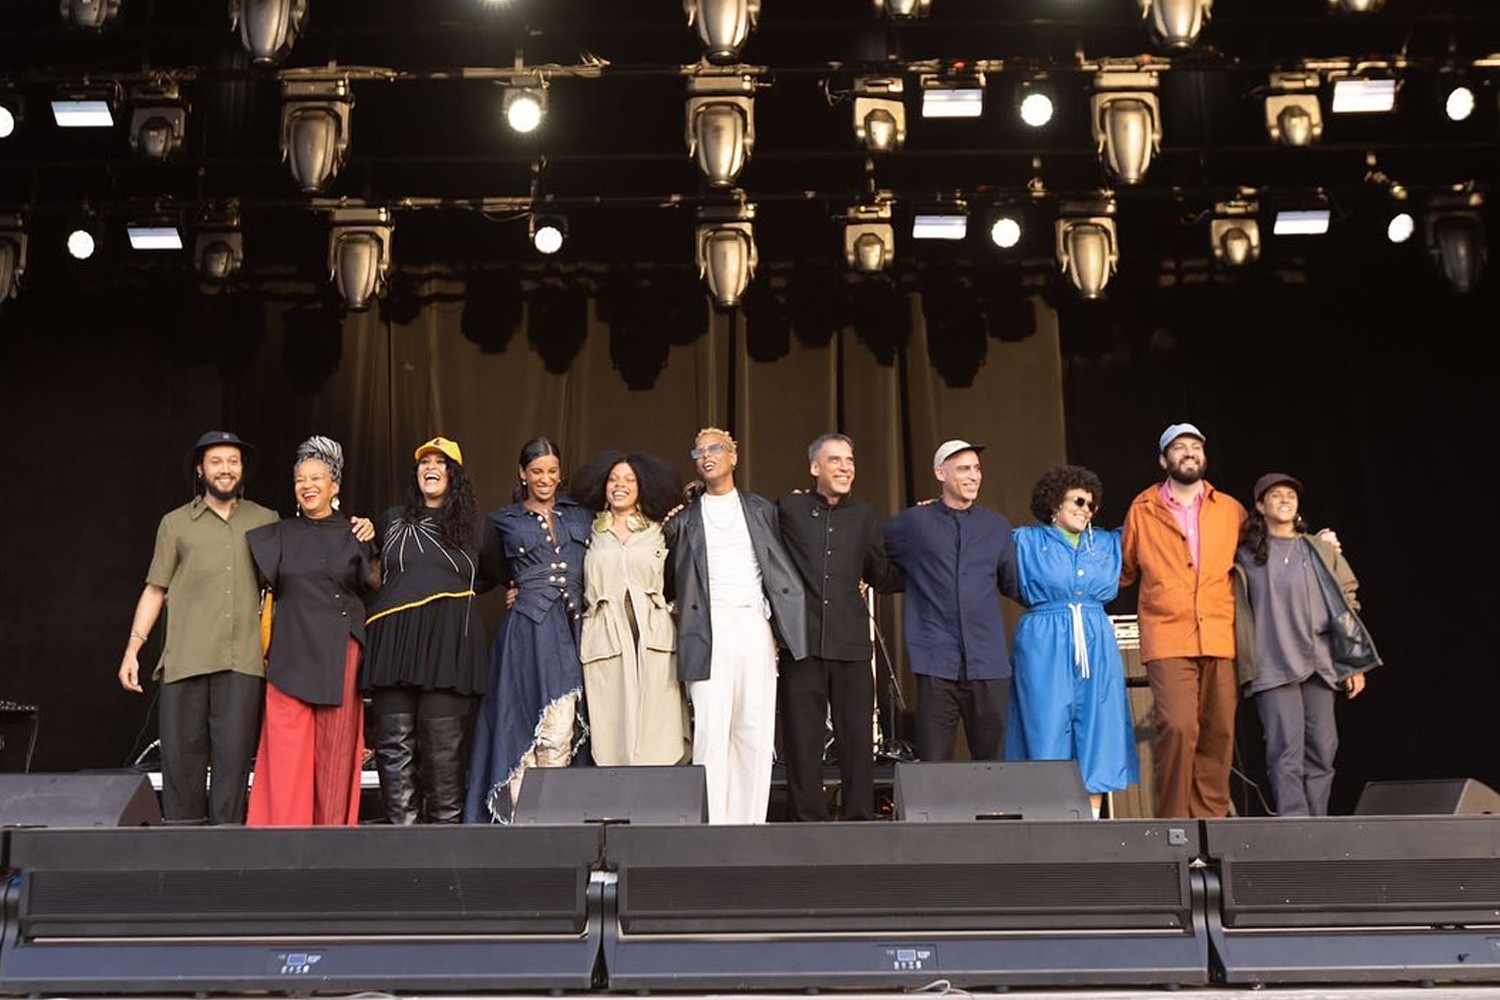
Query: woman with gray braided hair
x,y
307,765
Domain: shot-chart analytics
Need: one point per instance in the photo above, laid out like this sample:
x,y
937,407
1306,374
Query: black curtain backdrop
x,y
102,391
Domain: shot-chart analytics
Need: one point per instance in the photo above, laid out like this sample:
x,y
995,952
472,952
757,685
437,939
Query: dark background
x,y
1342,360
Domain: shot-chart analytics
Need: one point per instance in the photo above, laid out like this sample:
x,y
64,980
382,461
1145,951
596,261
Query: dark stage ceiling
x,y
429,143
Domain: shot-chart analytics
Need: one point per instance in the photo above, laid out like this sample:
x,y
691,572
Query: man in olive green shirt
x,y
211,669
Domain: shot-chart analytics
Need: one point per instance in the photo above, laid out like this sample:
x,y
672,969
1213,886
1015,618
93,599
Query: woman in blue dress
x,y
532,706
1068,694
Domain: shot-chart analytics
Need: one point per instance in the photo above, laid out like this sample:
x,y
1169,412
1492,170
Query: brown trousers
x,y
1194,699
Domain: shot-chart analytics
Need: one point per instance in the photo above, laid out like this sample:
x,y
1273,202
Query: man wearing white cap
x,y
956,555
1179,541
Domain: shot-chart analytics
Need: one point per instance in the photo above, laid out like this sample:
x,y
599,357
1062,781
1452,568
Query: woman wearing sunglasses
x,y
1068,695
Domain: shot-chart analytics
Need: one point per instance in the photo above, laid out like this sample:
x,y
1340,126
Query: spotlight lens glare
x,y
1460,104
81,244
547,239
1036,109
1006,232
7,122
524,113
1401,227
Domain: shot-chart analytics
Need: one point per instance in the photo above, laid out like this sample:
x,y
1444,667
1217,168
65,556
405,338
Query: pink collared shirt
x,y
1186,517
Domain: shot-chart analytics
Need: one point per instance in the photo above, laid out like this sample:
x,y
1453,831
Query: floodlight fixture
x,y
1456,241
1459,102
723,26
1356,6
92,14
1036,102
879,113
869,237
952,95
219,247
726,253
525,103
548,232
268,28
359,254
1401,227
1006,229
1356,94
154,234
12,255
1126,118
12,112
903,10
1176,24
1234,232
1302,220
946,220
315,127
1294,115
87,106
158,119
720,124
1088,249
82,241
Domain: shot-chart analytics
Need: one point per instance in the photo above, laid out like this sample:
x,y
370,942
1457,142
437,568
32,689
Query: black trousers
x,y
980,705
209,720
807,689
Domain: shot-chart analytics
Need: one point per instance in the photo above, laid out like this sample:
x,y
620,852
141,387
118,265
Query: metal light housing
x,y
726,253
723,26
1126,123
1294,115
315,128
880,113
1088,246
720,126
12,256
158,120
268,28
1234,233
903,10
1455,235
93,14
869,237
359,254
1176,24
219,248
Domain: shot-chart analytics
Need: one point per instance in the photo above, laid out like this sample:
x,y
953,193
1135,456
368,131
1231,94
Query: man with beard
x,y
834,539
956,554
1179,540
211,668
737,595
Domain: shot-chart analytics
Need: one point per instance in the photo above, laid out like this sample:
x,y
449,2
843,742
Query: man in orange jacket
x,y
1179,540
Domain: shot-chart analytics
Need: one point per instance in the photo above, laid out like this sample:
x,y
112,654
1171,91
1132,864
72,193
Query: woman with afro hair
x,y
1068,695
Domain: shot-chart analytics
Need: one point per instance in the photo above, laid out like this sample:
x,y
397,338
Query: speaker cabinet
x,y
965,791
673,794
1437,797
83,799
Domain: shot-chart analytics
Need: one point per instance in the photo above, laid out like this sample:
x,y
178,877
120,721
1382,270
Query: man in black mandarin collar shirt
x,y
835,543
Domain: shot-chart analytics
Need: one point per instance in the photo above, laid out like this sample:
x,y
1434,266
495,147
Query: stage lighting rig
x,y
1456,239
1006,229
92,14
1126,119
548,232
1036,102
1176,24
1356,6
903,10
1087,244
12,255
954,94
1294,116
219,247
315,127
158,120
721,123
12,112
525,103
726,253
1234,232
723,26
869,237
359,254
879,113
268,28
84,238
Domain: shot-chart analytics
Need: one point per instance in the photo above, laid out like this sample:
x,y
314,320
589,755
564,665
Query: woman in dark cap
x,y
307,766
425,654
1285,582
1068,697
637,710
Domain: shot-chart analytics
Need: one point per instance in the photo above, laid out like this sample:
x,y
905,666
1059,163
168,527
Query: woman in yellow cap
x,y
425,663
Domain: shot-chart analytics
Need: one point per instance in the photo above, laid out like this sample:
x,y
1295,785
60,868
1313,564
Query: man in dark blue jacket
x,y
956,554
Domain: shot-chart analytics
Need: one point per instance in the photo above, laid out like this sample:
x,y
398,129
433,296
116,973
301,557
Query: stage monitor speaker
x,y
965,791
1351,899
884,906
668,794
1436,797
81,799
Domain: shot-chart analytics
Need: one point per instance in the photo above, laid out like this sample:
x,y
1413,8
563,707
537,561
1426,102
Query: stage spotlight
x,y
1302,222
1234,233
94,14
1176,24
879,113
1401,227
1005,231
84,107
1459,104
1294,117
154,234
941,221
1087,246
158,121
268,28
1126,122
1035,103
219,248
12,256
315,128
903,10
82,243
525,104
548,232
723,26
726,252
952,95
1356,6
869,238
1363,95
721,124
11,112
1456,240
359,254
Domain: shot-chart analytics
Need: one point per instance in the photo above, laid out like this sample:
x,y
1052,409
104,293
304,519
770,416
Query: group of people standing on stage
x,y
650,624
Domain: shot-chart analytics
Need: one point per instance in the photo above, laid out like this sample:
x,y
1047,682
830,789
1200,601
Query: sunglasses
x,y
717,448
1080,502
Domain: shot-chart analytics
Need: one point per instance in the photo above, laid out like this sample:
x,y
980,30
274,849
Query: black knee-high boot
x,y
442,762
395,758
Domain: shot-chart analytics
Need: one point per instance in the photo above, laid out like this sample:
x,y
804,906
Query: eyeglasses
x,y
717,448
1082,502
